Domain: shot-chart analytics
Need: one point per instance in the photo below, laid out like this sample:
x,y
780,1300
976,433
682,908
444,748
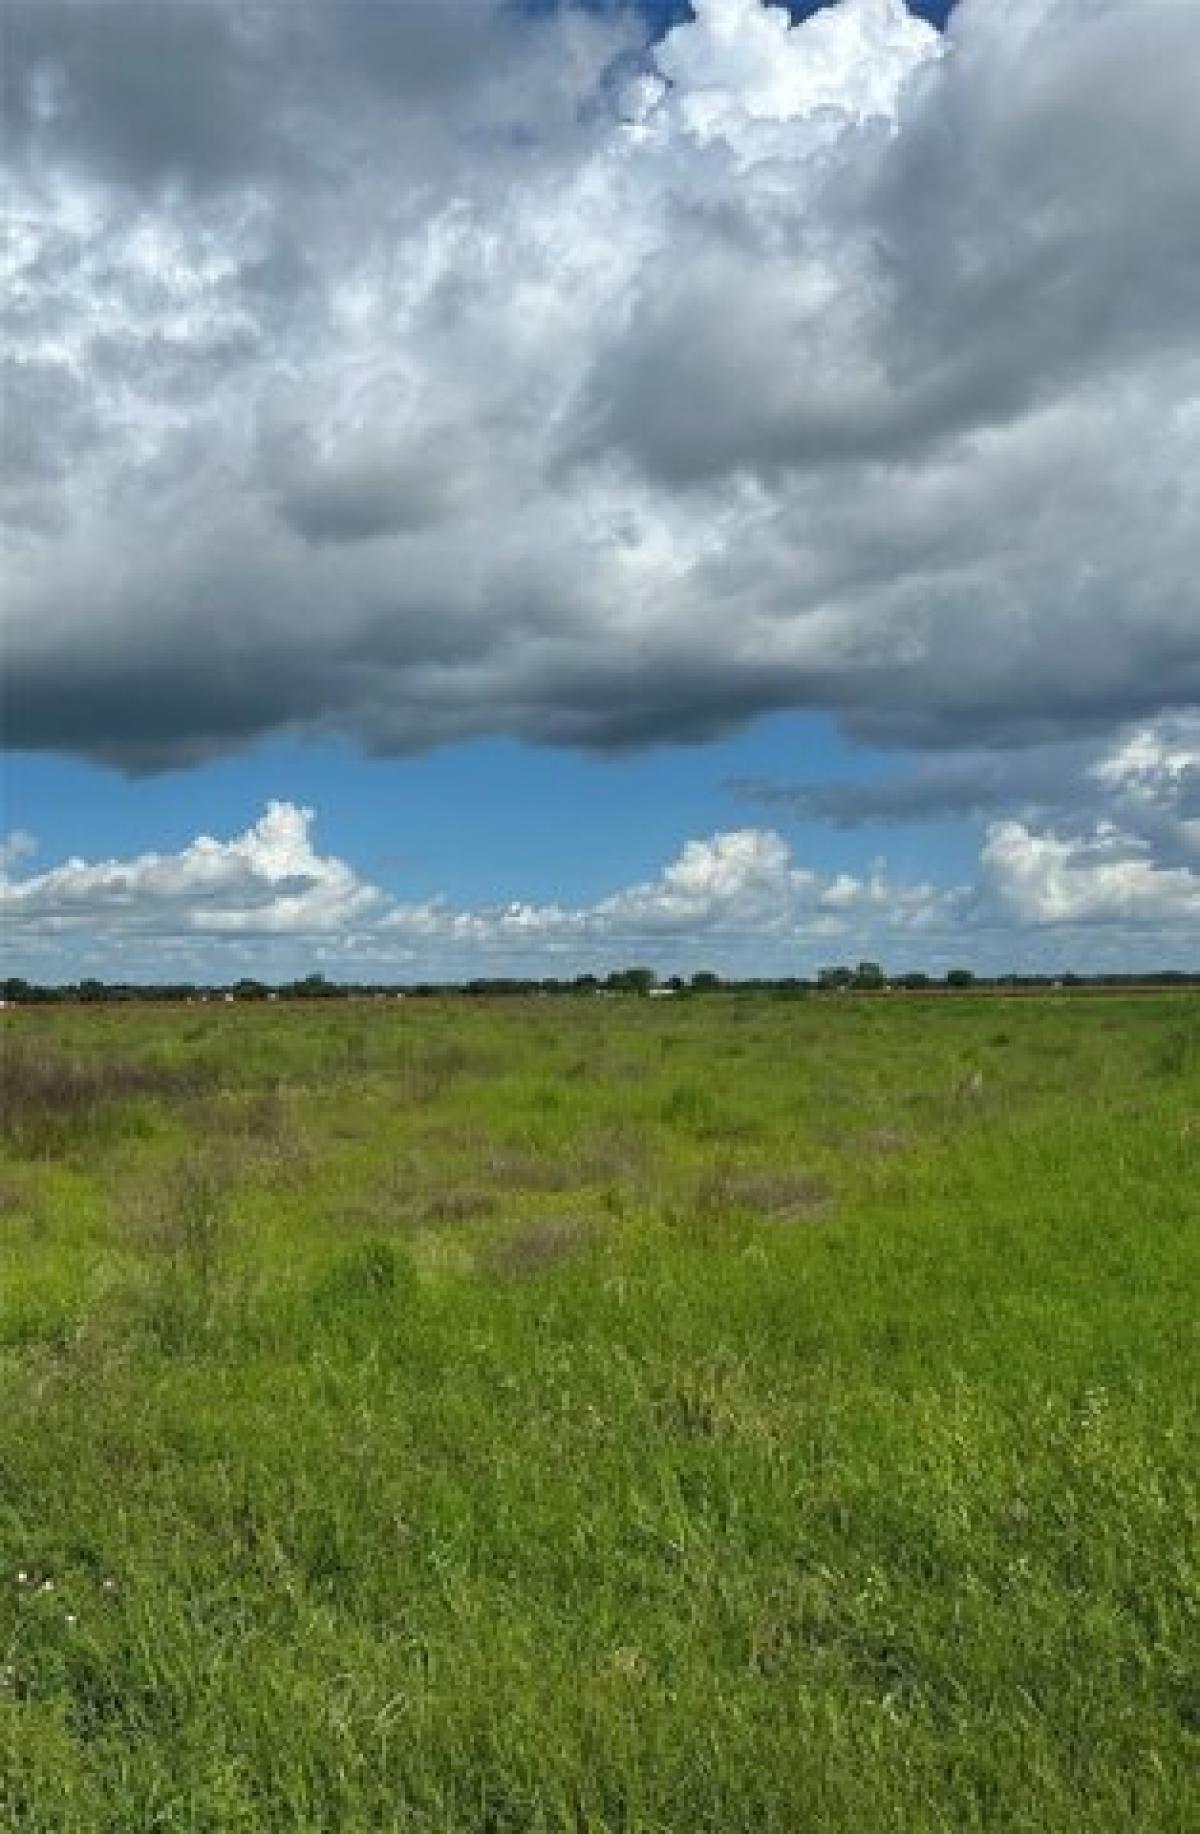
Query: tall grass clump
x,y
189,1237
51,1099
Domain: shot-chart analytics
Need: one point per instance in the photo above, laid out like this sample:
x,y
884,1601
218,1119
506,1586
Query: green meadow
x,y
680,1416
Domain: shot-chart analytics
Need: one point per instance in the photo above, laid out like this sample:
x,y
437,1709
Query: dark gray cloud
x,y
136,91
210,94
415,372
953,786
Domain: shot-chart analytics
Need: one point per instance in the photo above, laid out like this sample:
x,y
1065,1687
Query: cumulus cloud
x,y
742,888
1104,876
269,891
414,372
267,882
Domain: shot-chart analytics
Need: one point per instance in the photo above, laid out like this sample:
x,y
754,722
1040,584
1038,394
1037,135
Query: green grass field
x,y
706,1415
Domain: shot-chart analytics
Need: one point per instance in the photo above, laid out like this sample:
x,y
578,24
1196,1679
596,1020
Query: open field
x,y
698,1416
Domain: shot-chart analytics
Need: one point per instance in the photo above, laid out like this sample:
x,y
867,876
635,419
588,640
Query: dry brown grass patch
x,y
459,1204
537,1246
516,1169
788,1195
46,1095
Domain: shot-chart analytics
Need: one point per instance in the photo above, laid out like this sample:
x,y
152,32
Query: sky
x,y
524,489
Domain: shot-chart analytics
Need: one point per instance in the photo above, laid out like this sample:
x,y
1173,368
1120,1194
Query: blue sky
x,y
486,821
522,489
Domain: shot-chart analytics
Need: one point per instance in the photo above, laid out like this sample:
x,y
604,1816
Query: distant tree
x,y
631,980
914,981
834,977
868,975
249,990
705,981
313,987
960,977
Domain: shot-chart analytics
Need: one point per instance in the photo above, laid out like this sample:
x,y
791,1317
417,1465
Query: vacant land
x,y
705,1415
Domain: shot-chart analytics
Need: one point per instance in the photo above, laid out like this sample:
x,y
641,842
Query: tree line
x,y
640,982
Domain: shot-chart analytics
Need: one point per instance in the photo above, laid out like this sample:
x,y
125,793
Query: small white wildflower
x,y
72,1620
47,1585
22,1577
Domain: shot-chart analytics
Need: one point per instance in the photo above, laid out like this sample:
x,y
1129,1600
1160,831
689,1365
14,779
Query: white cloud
x,y
741,888
736,63
1101,877
368,375
270,888
267,882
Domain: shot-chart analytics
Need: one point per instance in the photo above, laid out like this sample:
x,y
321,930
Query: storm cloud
x,y
412,372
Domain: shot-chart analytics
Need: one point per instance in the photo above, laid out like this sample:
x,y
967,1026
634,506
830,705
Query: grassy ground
x,y
719,1414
